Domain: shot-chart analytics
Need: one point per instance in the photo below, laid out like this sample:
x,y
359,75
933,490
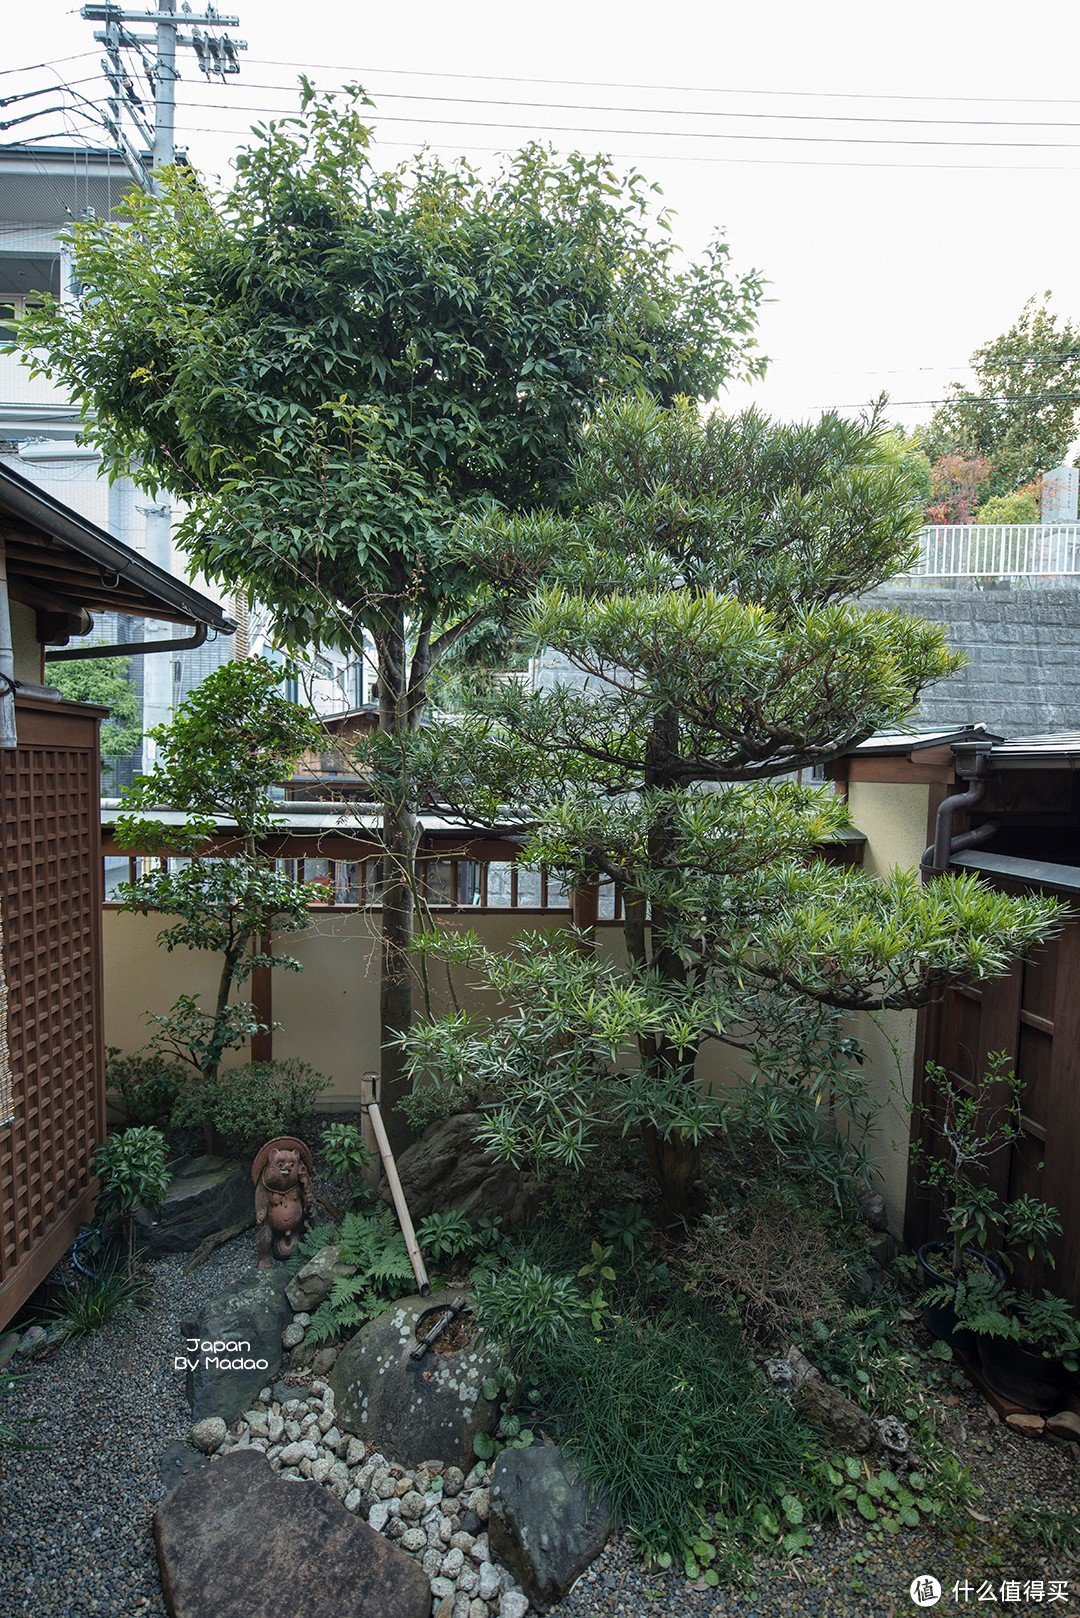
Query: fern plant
x,y
372,1246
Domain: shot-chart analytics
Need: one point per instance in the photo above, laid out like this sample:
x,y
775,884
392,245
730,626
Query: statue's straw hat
x,y
283,1143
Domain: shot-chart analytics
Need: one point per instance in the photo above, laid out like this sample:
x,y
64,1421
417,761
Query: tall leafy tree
x,y
1021,415
331,362
714,648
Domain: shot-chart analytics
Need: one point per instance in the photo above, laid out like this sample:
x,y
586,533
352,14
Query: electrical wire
x,y
33,67
195,128
668,134
677,89
674,112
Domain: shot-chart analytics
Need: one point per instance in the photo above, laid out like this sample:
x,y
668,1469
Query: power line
x,y
697,157
668,134
678,89
691,112
56,61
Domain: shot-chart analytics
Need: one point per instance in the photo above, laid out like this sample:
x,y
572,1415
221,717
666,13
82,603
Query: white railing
x,y
1049,552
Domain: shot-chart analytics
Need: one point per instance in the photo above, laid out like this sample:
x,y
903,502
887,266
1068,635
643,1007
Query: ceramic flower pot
x,y
1023,1377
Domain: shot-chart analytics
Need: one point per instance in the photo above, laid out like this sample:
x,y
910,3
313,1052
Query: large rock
x,y
205,1195
415,1410
448,1168
544,1523
235,1541
313,1284
247,1323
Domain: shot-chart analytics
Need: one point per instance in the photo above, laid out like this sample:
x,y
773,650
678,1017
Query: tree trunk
x,y
401,838
676,1168
675,1161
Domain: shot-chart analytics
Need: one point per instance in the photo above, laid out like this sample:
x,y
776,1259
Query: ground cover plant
x,y
640,1349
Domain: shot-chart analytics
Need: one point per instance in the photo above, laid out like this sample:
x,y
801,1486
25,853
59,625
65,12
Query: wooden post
x,y
401,1207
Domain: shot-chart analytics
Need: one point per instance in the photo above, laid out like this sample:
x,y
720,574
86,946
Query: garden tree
x,y
956,482
232,739
107,682
1020,507
331,362
718,651
1021,415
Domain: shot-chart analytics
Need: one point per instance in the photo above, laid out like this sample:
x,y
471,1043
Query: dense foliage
x,y
331,362
106,682
714,649
1021,414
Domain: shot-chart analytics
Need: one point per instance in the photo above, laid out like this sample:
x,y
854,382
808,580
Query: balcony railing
x,y
1048,553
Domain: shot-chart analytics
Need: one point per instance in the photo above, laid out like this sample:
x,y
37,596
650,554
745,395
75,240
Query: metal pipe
x,y
936,857
135,648
9,736
401,1207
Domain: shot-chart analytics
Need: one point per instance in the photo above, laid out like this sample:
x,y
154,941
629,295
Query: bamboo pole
x,y
368,1093
401,1207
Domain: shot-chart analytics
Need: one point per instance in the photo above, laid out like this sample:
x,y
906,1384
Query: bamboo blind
x,y
5,1054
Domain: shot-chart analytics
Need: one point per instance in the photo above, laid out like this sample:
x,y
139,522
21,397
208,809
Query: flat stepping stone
x,y
235,1540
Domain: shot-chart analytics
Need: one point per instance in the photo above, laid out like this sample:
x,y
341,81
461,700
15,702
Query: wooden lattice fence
x,y
50,901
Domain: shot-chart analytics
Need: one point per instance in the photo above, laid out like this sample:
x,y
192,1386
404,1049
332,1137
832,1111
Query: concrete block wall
x,y
1023,647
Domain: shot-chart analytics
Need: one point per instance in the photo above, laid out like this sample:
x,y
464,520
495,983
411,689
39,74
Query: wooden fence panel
x,y
1033,1014
50,890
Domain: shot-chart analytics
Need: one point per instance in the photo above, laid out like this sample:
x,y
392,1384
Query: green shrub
x,y
1022,506
251,1104
671,1419
527,1310
131,1172
147,1086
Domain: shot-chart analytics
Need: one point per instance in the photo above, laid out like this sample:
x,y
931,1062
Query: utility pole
x,y
153,55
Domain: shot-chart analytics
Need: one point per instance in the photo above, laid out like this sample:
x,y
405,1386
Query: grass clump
x,y
93,1301
667,1415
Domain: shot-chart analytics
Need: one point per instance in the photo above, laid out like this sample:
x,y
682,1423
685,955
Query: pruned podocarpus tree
x,y
331,362
228,743
715,647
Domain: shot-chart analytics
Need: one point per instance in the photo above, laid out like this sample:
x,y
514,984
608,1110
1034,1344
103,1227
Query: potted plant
x,y
972,1131
1029,1348
1028,1345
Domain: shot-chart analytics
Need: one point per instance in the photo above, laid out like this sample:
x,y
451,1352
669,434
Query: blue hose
x,y
81,1238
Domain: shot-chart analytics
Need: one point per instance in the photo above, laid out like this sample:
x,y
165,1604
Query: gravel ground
x,y
75,1513
75,1536
1014,1474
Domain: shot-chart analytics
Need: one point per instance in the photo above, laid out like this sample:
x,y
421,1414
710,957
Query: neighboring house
x,y
60,571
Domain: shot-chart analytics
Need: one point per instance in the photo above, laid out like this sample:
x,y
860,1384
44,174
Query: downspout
x,y
936,858
8,733
139,648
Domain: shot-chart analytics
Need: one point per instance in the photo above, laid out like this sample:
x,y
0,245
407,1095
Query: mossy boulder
x,y
431,1409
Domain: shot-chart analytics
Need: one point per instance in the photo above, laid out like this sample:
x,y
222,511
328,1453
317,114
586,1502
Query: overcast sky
x,y
931,188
